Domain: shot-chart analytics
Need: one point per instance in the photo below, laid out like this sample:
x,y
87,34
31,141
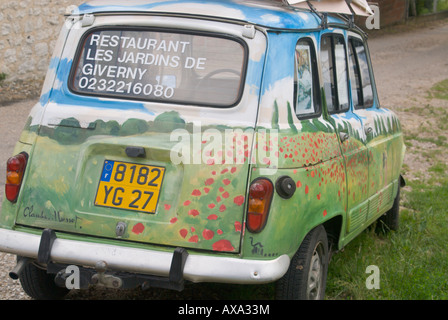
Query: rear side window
x,y
153,65
334,73
306,85
355,77
362,92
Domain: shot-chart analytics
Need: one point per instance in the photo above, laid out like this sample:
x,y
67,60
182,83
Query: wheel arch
x,y
333,228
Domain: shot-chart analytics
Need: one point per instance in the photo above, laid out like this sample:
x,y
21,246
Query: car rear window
x,y
155,65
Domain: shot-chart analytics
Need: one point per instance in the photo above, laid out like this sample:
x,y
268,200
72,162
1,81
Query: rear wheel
x,y
40,285
390,220
307,273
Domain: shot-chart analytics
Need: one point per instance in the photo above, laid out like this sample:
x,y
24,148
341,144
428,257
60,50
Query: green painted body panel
x,y
200,205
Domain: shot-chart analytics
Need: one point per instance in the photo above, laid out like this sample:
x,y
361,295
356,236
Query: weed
x,y
2,76
439,90
439,168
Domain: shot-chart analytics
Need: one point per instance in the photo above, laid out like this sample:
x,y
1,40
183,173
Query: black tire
x,y
391,219
40,285
307,274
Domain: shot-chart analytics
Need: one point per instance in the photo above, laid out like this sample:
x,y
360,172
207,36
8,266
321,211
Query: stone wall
x,y
28,32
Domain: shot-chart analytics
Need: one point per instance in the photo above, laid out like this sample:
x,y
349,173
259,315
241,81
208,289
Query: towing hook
x,y
17,271
105,280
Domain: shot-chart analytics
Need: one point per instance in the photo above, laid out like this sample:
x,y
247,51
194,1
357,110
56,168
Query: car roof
x,y
268,13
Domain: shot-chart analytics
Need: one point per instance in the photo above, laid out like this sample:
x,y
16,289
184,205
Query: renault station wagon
x,y
225,141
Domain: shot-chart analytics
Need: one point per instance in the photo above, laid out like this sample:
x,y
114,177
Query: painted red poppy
x,y
138,228
194,239
212,217
223,245
238,200
183,233
208,234
237,226
193,212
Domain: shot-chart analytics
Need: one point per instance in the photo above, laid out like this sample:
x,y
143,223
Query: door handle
x,y
344,136
368,129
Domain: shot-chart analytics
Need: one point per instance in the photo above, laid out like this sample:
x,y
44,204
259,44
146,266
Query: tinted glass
x,y
160,66
364,69
354,77
326,55
334,73
305,79
341,72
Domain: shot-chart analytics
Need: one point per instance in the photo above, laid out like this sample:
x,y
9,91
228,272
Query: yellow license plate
x,y
129,186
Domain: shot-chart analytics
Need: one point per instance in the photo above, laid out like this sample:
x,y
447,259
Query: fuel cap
x,y
285,187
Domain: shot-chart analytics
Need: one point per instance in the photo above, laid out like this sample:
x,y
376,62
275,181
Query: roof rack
x,y
354,7
347,9
322,15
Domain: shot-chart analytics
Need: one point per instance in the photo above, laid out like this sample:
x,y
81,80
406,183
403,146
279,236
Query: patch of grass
x,y
440,141
439,90
412,261
2,76
438,174
438,168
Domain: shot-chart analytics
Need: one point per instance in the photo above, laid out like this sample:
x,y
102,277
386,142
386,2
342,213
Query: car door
x,y
378,124
349,127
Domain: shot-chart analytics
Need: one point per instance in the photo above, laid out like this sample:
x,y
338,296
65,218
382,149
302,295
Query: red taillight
x,y
15,169
260,196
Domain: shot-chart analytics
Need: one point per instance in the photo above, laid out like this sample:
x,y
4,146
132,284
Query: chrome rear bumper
x,y
197,268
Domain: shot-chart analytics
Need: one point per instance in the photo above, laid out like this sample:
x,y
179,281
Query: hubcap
x,y
315,274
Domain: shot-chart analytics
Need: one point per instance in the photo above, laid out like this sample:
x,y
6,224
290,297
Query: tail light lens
x,y
15,169
260,196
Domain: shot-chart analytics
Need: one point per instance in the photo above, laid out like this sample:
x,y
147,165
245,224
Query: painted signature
x,y
57,216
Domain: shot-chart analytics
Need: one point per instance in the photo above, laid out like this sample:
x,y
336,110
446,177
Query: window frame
x,y
317,99
357,71
89,32
331,36
350,40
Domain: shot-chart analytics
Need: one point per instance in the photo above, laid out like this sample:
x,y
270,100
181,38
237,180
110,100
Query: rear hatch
x,y
147,136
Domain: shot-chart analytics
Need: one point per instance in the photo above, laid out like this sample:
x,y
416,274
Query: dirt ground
x,y
408,61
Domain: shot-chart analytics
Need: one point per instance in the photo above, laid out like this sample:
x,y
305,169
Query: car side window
x,y
361,77
334,72
354,77
306,85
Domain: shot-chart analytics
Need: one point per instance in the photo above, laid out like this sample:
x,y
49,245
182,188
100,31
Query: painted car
x,y
219,141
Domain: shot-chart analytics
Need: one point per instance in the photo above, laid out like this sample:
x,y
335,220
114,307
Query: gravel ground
x,y
408,60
